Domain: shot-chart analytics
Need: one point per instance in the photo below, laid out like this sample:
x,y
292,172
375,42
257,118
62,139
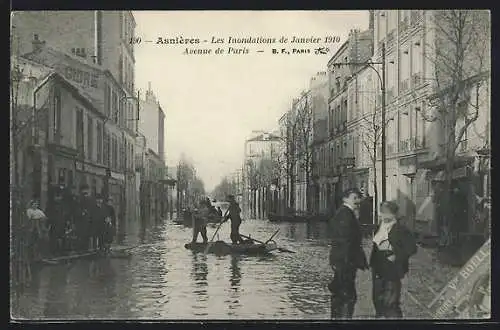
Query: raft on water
x,y
222,248
115,253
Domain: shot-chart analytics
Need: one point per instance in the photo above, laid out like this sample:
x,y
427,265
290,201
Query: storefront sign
x,y
95,170
118,176
79,166
348,161
81,77
467,293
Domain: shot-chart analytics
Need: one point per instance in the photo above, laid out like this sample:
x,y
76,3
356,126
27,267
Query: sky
x,y
214,102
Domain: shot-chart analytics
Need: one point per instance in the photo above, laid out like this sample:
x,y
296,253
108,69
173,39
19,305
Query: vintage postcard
x,y
266,165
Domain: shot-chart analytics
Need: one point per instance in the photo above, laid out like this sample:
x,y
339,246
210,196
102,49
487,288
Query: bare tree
x,y
290,155
189,187
371,140
460,54
304,120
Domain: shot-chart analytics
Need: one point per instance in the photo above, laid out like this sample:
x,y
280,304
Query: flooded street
x,y
163,280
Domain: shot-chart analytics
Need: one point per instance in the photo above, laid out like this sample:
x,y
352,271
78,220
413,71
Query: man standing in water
x,y
233,213
346,255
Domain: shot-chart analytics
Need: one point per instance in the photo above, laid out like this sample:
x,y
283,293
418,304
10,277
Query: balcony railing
x,y
416,142
415,17
403,25
405,145
403,86
416,80
390,38
390,94
390,148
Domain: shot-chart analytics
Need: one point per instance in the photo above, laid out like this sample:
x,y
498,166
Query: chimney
x,y
37,43
149,86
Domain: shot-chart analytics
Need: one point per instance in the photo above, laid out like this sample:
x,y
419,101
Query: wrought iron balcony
x,y
390,38
404,84
415,17
403,25
416,80
405,145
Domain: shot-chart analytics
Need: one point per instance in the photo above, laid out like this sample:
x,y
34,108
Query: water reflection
x,y
55,304
235,273
313,230
235,284
199,274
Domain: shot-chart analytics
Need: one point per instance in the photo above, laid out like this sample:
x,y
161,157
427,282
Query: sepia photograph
x,y
250,165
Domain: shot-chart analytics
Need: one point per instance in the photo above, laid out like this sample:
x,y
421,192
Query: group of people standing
x,y
206,211
392,247
72,223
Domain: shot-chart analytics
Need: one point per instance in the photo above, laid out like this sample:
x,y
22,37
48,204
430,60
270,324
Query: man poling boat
x,y
233,213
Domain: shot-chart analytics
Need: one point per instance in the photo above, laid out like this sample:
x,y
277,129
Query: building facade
x,y
415,154
261,152
90,50
319,103
152,123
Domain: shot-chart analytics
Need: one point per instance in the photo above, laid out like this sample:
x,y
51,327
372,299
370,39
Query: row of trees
x,y
190,188
224,188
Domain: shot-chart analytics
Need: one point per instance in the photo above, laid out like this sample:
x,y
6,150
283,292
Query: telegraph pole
x,y
384,169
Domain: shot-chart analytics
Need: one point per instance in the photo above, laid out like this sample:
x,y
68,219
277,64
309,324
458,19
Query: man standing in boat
x,y
346,255
200,218
233,213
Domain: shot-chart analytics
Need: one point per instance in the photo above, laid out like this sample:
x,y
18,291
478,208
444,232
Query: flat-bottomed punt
x,y
115,253
223,248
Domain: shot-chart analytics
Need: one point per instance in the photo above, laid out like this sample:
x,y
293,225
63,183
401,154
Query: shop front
x,y
463,197
91,175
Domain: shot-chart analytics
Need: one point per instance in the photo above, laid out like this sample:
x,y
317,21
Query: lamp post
x,y
381,78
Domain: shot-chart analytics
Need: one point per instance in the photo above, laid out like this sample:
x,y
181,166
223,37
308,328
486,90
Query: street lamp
x,y
381,78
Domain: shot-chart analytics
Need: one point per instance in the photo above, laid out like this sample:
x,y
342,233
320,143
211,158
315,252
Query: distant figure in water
x,y
233,213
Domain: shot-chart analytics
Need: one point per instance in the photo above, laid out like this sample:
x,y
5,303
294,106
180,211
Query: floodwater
x,y
163,280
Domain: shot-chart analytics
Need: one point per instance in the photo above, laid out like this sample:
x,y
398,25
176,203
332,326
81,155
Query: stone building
x,y
90,50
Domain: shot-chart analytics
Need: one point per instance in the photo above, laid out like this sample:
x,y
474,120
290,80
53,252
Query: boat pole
x,y
270,238
210,243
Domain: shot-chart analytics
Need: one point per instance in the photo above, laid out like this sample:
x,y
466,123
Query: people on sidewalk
x,y
393,245
346,255
38,230
98,224
110,225
83,219
233,213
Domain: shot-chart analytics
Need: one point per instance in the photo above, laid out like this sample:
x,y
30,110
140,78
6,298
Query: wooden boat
x,y
222,248
115,253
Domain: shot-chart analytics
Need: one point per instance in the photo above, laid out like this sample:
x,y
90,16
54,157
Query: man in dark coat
x,y
110,224
57,217
233,213
98,224
346,255
83,218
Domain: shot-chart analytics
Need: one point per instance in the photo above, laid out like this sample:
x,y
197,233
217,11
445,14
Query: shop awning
x,y
440,163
